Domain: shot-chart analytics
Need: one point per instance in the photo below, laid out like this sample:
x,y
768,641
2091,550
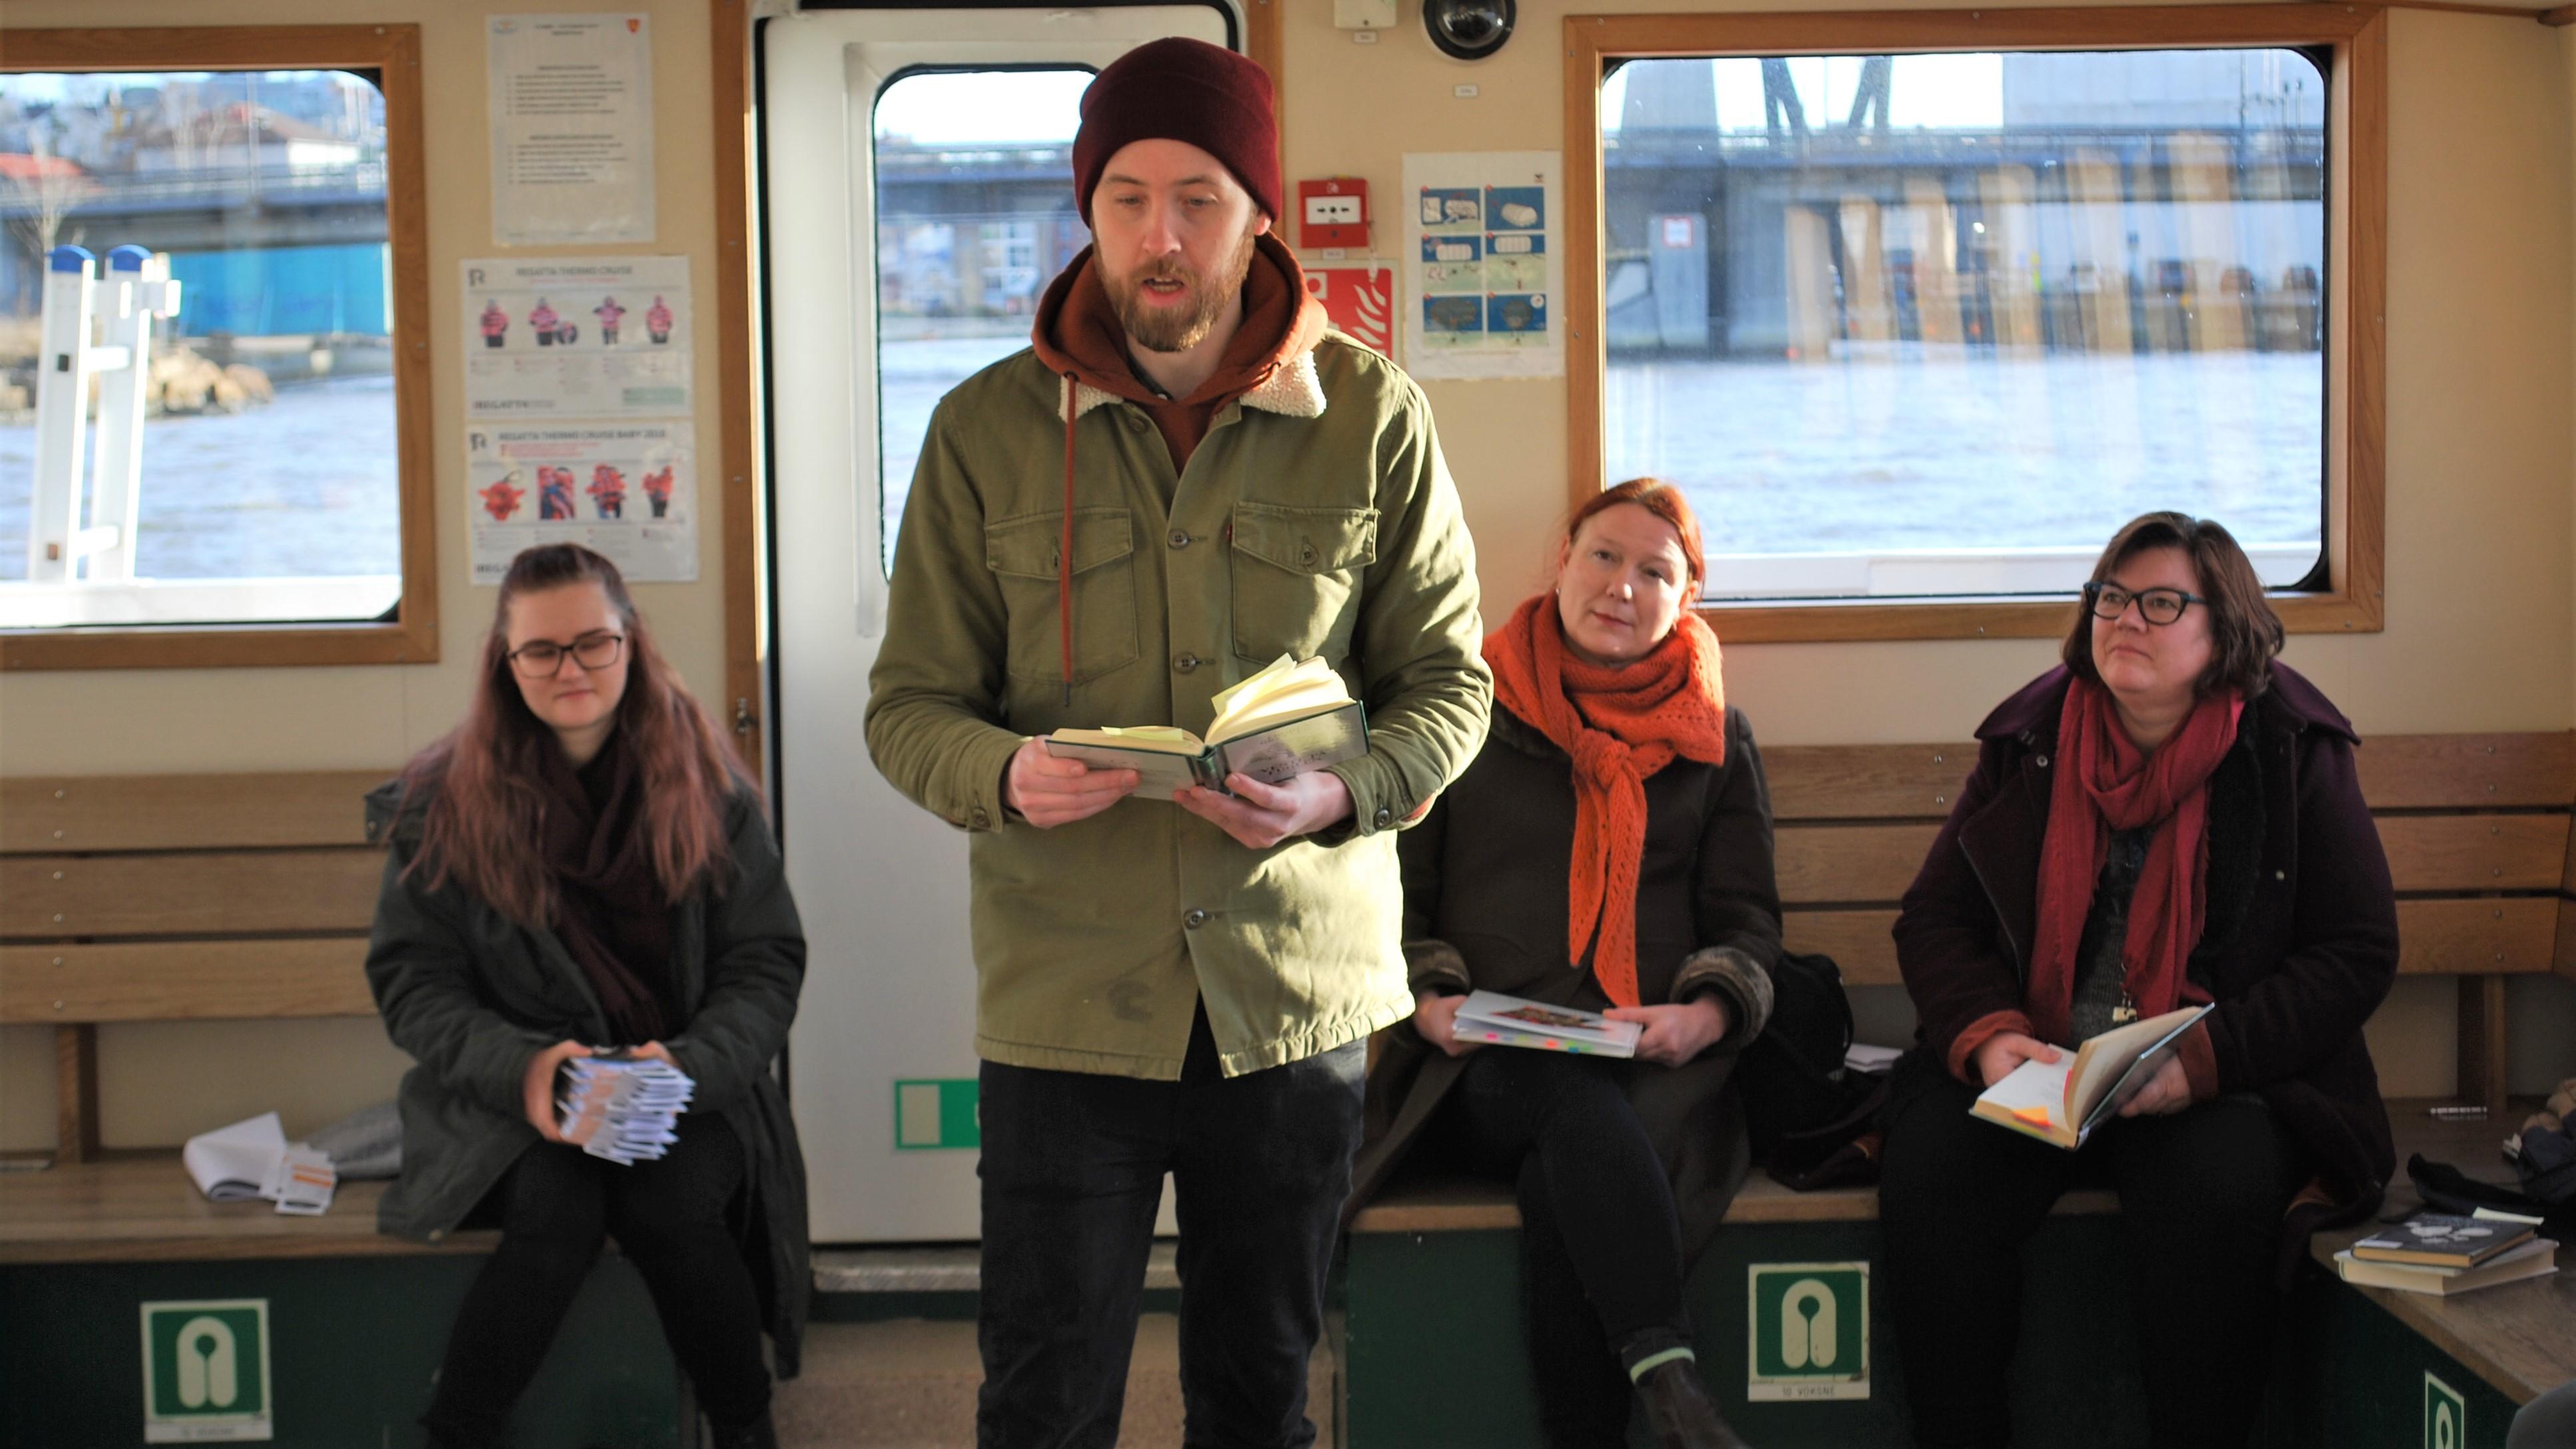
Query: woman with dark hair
x,y
583,864
1609,849
2170,818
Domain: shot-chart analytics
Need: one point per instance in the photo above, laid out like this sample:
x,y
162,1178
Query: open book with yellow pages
x,y
2064,1100
1294,716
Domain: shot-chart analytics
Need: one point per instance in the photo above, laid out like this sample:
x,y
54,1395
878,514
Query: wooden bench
x,y
237,897
2477,833
178,898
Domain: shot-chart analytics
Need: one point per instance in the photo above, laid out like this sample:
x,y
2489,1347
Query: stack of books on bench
x,y
626,1110
2443,1254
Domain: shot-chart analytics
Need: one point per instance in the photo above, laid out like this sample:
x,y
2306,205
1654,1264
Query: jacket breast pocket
x,y
1025,555
1297,579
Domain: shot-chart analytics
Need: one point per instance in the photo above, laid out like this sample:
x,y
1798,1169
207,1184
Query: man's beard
x,y
1163,329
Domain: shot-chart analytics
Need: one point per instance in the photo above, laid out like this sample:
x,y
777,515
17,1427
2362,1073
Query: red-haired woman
x,y
1609,849
2169,818
584,864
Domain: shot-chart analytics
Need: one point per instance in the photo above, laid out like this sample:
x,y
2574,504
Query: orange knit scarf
x,y
1618,725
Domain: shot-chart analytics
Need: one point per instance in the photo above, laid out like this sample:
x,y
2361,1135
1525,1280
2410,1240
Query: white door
x,y
916,197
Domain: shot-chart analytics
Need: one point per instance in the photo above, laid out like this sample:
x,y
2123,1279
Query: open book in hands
x,y
2064,1100
1292,717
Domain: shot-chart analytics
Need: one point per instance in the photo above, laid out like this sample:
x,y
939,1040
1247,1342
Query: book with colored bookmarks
x,y
1493,1019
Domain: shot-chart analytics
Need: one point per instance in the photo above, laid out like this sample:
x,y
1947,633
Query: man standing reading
x,y
1188,475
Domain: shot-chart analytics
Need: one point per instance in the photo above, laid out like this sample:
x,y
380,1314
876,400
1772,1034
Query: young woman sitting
x,y
584,865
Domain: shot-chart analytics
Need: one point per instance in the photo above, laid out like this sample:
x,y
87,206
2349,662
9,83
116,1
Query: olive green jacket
x,y
1315,519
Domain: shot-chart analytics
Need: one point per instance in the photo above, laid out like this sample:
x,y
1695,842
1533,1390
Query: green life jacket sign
x,y
1808,1332
205,1372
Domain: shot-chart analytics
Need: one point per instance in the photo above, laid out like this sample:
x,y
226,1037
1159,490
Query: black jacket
x,y
471,996
2299,945
1485,908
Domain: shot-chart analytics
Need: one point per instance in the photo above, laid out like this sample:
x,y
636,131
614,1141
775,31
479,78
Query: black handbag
x,y
1808,1114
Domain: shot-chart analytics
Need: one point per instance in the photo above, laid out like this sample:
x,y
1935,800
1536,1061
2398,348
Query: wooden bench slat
x,y
1447,1204
2398,772
141,1206
1825,863
2435,938
2416,772
189,895
184,812
1852,863
185,980
1861,782
2475,852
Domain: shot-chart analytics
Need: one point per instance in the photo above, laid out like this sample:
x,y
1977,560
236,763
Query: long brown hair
x,y
485,817
2244,633
1656,497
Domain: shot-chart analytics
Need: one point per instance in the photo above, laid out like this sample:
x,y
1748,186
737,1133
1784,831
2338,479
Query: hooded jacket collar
x,y
1077,333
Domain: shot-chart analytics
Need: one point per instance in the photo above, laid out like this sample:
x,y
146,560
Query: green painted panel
x,y
352,1346
2384,1386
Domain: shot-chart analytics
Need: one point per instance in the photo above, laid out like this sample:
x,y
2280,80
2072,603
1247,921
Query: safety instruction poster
x,y
626,490
571,108
1486,271
576,337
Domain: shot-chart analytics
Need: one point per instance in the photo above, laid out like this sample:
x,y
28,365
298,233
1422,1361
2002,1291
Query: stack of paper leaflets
x,y
626,1109
253,1159
1292,717
2443,1254
1493,1019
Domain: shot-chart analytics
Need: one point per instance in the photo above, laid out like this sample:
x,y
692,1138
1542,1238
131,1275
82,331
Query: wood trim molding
x,y
392,52
744,561
2354,600
1264,42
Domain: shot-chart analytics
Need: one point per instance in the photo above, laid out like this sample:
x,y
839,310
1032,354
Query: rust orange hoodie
x,y
1080,337
1078,334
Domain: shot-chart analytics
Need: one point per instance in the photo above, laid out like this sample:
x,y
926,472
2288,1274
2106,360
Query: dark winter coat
x,y
472,996
1485,908
2299,945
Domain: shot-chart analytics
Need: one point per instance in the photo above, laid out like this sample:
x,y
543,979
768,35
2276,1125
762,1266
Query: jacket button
x,y
1194,919
1180,539
2043,762
1135,422
1384,817
2280,875
982,820
1185,663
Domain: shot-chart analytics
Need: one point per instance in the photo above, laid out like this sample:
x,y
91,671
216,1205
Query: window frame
x,y
392,54
2353,597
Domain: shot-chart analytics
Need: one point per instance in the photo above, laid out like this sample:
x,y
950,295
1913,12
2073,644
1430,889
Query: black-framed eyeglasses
x,y
2156,606
591,651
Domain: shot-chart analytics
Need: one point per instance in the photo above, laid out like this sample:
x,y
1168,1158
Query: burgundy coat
x,y
2300,943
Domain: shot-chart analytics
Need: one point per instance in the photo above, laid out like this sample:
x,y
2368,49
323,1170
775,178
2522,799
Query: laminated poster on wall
x,y
627,490
1482,252
571,107
576,337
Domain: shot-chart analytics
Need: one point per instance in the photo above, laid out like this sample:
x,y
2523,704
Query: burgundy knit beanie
x,y
1181,90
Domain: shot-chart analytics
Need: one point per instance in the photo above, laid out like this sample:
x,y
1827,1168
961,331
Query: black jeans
x,y
1073,1168
1601,1243
554,1206
2202,1193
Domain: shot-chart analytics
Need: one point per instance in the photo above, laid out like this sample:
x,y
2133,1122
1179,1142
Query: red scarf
x,y
1619,725
2106,783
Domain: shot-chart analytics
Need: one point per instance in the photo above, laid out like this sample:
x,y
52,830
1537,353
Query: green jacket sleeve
x,y
755,967
1425,681
937,685
423,979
